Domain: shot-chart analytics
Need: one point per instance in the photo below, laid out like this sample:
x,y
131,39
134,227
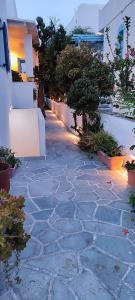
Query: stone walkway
x,y
82,243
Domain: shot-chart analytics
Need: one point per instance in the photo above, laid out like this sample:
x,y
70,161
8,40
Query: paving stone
x,y
88,287
34,285
29,206
128,220
67,196
51,248
77,241
85,210
121,205
127,294
84,177
103,228
108,214
61,291
43,188
40,227
68,226
7,296
17,191
40,171
86,196
110,271
48,236
64,186
106,194
32,249
42,215
116,246
46,202
66,210
62,264
88,166
28,220
130,279
2,281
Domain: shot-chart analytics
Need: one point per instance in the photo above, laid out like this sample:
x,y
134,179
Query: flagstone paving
x,y
82,243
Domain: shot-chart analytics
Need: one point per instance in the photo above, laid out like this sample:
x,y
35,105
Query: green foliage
x,y
53,40
81,30
16,77
130,165
132,200
12,234
84,78
100,141
7,156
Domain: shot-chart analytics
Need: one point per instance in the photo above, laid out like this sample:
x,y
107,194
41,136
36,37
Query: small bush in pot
x,y
130,166
4,176
107,148
8,156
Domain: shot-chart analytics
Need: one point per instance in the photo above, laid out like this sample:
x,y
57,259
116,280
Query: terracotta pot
x,y
131,177
4,177
113,163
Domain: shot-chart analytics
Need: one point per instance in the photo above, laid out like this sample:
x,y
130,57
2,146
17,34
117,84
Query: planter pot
x,y
4,177
131,177
12,171
113,163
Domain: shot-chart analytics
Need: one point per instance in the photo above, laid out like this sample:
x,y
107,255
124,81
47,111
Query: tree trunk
x,y
75,120
41,95
84,122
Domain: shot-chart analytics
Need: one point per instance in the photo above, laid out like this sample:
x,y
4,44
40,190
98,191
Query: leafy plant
x,y
16,77
130,166
12,217
6,155
132,200
100,141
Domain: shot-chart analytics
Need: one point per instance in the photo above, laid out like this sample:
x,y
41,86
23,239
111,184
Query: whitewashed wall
x,y
29,139
65,114
22,94
120,127
112,16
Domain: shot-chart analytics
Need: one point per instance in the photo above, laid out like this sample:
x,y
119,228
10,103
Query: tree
x,y
53,40
81,30
84,78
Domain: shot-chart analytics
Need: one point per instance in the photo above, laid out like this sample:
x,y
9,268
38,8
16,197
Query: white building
x,y
86,16
111,15
22,126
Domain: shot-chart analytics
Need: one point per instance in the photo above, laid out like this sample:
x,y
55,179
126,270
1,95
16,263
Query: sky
x,y
62,10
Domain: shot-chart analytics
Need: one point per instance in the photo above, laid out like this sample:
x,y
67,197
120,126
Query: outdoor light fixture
x,y
4,50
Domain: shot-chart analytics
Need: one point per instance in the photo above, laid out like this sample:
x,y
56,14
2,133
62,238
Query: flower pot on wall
x,y
113,163
131,177
4,177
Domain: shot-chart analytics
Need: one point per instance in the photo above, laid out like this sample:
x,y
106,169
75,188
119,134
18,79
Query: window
x,y
4,50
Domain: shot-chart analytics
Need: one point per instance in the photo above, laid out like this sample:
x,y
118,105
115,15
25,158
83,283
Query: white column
x,y
28,55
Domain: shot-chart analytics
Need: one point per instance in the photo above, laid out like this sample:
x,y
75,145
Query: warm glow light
x,y
14,61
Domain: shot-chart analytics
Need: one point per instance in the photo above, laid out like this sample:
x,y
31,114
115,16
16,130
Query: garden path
x,y
82,243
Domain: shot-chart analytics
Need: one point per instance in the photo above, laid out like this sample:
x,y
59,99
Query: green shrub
x,y
130,166
100,141
6,155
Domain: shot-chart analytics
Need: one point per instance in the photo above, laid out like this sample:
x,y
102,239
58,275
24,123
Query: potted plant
x,y
107,149
4,176
7,156
130,166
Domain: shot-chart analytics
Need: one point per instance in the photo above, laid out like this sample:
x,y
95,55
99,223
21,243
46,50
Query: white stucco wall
x,y
11,9
112,16
29,139
120,127
22,94
5,92
86,15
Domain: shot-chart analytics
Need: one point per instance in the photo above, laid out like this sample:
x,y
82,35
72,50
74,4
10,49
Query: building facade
x,y
86,16
111,15
22,126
